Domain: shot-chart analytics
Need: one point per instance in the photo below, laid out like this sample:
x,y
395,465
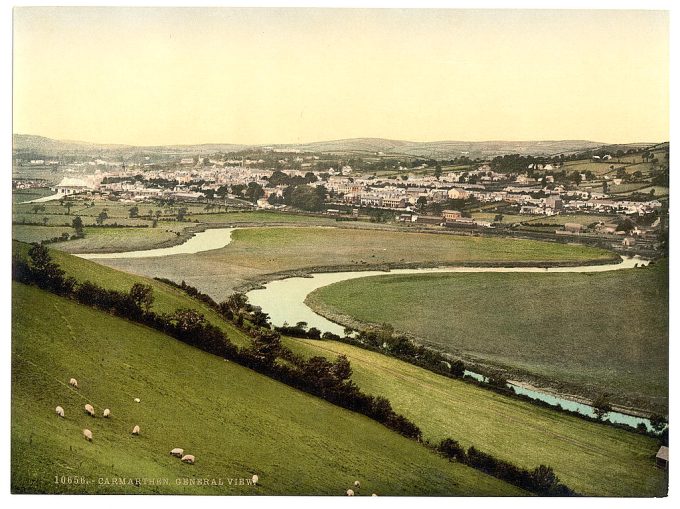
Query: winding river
x,y
213,238
284,300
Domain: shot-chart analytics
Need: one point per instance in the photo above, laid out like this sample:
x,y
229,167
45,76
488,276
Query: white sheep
x,y
107,412
256,478
60,411
357,484
135,430
89,409
177,452
350,493
137,400
189,458
87,434
73,383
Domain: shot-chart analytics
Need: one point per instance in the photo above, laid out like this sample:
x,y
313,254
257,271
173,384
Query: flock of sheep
x,y
178,452
186,458
357,485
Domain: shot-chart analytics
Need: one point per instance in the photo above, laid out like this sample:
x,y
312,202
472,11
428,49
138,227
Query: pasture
x,y
592,458
234,421
586,334
256,252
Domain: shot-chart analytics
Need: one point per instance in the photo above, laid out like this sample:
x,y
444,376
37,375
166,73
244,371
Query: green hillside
x,y
593,459
236,422
166,298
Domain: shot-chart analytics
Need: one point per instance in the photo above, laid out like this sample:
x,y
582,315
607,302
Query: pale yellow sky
x,y
166,76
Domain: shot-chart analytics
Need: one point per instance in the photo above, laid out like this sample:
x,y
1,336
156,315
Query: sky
x,y
153,76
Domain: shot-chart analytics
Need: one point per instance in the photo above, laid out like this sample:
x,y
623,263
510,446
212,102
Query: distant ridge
x,y
357,146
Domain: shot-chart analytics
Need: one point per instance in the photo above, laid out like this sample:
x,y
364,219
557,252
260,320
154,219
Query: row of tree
x,y
318,376
541,480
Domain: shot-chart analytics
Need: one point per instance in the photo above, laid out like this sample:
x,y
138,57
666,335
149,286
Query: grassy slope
x,y
598,333
255,252
166,298
592,458
233,420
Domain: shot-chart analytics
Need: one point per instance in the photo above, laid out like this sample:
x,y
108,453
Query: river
x,y
284,300
213,238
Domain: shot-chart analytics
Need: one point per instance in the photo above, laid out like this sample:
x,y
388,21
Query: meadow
x,y
234,421
255,253
586,334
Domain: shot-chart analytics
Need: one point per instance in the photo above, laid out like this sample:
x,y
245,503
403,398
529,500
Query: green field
x,y
24,195
593,459
236,422
256,252
590,333
36,233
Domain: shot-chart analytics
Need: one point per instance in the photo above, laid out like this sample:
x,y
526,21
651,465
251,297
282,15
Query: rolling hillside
x,y
591,458
236,422
434,149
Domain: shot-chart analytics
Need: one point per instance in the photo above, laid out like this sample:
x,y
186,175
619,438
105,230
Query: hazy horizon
x,y
169,76
306,142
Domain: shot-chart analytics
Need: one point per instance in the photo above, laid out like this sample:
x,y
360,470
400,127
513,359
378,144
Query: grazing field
x,y
102,239
592,333
594,459
36,233
256,252
236,422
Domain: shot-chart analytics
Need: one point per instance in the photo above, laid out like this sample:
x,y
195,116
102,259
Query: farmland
x,y
236,422
587,333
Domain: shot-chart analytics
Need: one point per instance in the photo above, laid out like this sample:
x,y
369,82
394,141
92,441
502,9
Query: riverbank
x,y
534,339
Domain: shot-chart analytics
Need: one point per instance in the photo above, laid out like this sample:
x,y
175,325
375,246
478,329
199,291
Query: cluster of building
x,y
405,193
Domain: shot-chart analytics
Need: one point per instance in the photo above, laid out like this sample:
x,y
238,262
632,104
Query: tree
x,y
421,202
451,449
601,407
68,204
103,216
142,295
134,211
254,192
181,213
457,368
38,208
438,171
625,226
266,346
544,479
341,370
658,422
237,189
45,220
77,225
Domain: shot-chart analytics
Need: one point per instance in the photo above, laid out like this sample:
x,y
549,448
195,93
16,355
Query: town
x,y
614,196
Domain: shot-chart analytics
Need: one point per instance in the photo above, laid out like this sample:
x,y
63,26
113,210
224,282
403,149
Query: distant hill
x,y
360,146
